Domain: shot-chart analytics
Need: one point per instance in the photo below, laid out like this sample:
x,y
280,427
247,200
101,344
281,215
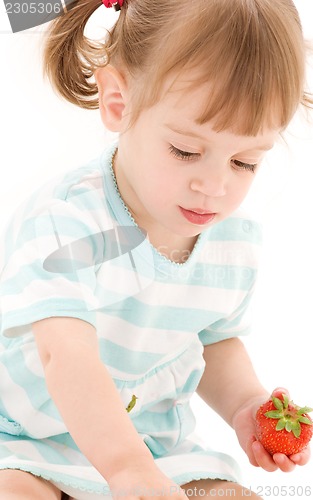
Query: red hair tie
x,y
111,3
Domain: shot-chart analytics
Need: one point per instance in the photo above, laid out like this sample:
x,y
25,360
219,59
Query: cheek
x,y
160,175
240,189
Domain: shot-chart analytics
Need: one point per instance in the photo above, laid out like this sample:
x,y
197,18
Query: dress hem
x,y
55,478
180,480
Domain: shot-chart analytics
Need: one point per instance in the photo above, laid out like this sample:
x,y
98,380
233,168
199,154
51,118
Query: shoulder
x,y
235,241
81,187
240,226
75,183
72,205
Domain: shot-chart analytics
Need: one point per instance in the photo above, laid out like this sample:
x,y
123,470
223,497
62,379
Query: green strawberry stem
x,y
289,415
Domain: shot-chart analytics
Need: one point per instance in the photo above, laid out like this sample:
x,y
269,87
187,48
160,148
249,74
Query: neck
x,y
176,248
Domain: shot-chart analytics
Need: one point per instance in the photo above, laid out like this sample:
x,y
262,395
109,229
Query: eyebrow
x,y
190,133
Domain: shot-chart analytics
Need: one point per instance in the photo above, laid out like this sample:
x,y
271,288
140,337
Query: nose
x,y
211,182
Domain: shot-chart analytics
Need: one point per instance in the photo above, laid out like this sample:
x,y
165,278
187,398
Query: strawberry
x,y
282,426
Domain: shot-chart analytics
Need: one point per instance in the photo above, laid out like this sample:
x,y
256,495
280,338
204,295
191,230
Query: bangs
x,y
254,87
251,58
249,99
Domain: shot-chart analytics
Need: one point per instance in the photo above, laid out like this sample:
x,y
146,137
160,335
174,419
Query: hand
x,y
144,482
244,426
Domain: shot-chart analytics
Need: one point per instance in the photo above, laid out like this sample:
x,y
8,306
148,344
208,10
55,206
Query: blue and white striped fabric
x,y
73,250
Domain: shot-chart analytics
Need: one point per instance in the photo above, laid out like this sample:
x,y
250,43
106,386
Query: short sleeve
x,y
238,255
235,325
43,276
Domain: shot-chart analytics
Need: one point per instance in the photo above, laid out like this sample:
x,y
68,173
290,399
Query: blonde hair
x,y
251,53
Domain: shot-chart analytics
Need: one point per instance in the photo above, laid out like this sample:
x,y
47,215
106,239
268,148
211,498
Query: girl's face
x,y
177,177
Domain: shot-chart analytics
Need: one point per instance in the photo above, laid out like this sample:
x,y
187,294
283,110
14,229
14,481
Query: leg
x,y
19,485
216,488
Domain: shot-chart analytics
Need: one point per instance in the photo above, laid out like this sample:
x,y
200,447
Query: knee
x,y
17,484
212,488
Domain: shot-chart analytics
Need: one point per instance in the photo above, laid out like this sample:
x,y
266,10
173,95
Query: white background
x,y
41,136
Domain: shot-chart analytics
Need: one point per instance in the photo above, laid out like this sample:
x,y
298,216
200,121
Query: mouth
x,y
197,215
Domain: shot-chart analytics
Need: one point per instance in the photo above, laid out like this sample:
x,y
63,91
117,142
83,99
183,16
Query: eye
x,y
182,155
240,165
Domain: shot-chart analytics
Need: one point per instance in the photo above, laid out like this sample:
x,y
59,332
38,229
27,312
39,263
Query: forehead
x,y
180,107
237,106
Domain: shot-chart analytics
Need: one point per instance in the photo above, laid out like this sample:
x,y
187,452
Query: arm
x,y
230,386
85,394
91,407
229,380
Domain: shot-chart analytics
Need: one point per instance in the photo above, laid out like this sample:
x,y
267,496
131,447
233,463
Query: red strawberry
x,y
282,426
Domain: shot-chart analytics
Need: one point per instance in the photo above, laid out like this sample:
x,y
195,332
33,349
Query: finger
x,y
301,458
263,458
283,462
250,452
279,391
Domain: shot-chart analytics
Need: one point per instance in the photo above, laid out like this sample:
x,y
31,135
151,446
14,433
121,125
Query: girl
x,y
125,284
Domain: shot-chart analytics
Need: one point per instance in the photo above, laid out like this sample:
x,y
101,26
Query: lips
x,y
197,215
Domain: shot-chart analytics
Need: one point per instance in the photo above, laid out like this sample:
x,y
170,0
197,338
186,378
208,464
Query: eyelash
x,y
186,156
245,166
182,155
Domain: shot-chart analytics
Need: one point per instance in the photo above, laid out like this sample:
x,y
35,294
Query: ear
x,y
112,97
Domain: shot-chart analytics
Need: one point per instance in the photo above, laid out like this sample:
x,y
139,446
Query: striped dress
x,y
73,250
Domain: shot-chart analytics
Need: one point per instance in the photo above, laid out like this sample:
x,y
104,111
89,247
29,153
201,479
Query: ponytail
x,y
69,58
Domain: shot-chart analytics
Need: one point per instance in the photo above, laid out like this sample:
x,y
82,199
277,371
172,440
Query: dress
x,y
74,250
